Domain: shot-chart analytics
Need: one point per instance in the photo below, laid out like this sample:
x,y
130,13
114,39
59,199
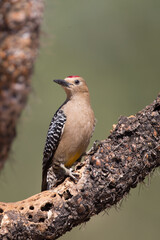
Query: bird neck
x,y
82,96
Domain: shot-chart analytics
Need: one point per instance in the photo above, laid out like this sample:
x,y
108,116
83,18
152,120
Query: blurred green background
x,y
115,46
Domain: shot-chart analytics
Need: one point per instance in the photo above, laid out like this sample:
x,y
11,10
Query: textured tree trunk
x,y
118,164
19,40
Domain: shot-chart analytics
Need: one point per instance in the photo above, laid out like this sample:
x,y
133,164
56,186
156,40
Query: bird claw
x,y
72,174
94,148
69,172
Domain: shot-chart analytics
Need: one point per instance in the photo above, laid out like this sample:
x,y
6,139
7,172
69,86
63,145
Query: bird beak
x,y
62,82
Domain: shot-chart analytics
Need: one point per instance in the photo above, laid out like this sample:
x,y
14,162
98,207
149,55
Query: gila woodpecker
x,y
70,130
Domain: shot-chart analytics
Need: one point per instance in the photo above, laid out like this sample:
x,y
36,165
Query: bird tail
x,y
51,179
44,182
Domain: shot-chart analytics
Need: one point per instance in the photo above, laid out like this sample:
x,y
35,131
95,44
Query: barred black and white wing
x,y
54,134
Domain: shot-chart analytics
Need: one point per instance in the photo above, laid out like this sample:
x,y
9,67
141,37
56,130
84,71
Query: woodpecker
x,y
70,130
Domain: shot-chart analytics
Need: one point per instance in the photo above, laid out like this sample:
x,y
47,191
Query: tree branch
x,y
20,22
119,163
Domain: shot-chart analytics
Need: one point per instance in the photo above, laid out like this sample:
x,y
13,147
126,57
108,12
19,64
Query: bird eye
x,y
77,82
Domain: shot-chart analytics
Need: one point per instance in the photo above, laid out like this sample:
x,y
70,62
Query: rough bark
x,y
118,164
19,40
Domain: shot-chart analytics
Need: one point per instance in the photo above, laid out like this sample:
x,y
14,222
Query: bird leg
x,y
94,148
69,172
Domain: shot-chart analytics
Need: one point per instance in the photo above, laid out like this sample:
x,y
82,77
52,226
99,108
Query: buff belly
x,y
72,159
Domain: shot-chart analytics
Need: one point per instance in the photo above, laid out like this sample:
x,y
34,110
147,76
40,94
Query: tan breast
x,y
77,131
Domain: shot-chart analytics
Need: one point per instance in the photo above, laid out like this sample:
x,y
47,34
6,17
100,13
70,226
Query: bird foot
x,y
69,172
94,148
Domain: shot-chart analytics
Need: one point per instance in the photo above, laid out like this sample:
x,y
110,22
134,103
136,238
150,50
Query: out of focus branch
x,y
118,164
19,40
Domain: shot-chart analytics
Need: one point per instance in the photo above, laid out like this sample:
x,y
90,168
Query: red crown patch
x,y
73,76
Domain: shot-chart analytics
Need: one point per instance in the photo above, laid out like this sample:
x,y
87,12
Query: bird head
x,y
73,85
